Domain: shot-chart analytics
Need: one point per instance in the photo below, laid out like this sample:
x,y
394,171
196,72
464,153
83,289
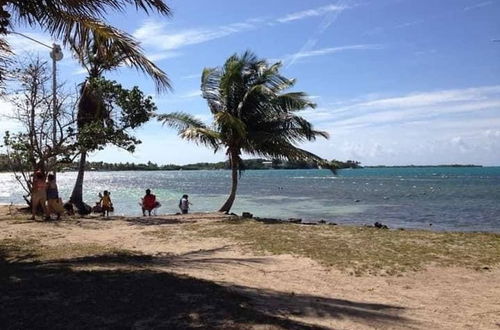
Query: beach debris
x,y
295,220
268,220
247,215
322,221
379,225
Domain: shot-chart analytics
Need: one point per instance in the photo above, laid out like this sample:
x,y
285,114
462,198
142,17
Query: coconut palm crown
x,y
75,22
252,115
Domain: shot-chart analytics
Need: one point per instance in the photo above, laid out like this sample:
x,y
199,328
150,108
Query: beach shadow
x,y
193,259
61,296
152,221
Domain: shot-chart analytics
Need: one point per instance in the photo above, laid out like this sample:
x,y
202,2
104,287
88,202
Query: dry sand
x,y
287,286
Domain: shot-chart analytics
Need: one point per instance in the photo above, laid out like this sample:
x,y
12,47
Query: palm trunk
x,y
77,194
234,185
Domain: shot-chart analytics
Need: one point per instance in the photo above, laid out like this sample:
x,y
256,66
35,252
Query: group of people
x,y
45,196
149,203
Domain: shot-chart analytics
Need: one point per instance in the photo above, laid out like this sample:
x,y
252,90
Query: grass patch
x,y
361,250
28,250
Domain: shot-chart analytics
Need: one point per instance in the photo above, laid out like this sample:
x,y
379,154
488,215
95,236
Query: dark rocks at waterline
x,y
268,220
247,215
379,225
295,220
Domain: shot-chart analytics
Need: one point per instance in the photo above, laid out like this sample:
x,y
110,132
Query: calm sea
x,y
464,199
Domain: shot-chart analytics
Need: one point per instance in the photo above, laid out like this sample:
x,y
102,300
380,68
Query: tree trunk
x,y
234,185
77,194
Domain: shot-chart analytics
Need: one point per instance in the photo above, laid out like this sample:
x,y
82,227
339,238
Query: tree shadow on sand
x,y
75,294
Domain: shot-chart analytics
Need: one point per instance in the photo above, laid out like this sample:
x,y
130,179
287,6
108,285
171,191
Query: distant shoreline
x,y
189,168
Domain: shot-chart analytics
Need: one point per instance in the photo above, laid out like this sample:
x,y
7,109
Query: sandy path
x,y
292,287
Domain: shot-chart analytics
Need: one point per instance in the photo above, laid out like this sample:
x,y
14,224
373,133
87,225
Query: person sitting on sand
x,y
39,195
184,204
106,204
54,203
149,203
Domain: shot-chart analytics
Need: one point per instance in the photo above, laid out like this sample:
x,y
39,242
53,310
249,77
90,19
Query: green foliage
x,y
121,110
252,115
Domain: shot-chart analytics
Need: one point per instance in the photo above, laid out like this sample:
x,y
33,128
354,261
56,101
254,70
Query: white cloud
x,y
311,13
21,44
330,51
7,110
162,56
329,19
447,126
191,94
478,5
80,71
192,76
154,33
412,107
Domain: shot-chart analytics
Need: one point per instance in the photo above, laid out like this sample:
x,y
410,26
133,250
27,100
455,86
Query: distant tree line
x,y
249,164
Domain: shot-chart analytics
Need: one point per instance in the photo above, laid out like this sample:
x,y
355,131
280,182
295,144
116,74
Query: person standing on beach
x,y
106,204
39,195
53,202
184,204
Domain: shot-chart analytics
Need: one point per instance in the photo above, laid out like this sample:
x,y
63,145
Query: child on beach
x,y
184,204
39,195
54,203
106,204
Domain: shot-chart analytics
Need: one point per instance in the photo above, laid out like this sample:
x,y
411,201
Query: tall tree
x,y
97,57
74,21
252,115
32,146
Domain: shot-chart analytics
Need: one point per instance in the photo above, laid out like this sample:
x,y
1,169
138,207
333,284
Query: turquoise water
x,y
465,199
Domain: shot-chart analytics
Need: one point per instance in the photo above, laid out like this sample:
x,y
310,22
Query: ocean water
x,y
463,199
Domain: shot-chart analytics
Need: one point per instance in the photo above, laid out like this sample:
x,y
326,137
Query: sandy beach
x,y
173,271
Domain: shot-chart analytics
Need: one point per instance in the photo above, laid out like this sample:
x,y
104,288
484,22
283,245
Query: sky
x,y
396,82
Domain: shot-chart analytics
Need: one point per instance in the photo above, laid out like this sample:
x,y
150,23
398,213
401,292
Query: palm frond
x,y
180,120
205,136
77,22
210,89
295,101
111,52
228,123
191,128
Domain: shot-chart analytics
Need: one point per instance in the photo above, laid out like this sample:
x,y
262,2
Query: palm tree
x,y
97,57
71,21
251,113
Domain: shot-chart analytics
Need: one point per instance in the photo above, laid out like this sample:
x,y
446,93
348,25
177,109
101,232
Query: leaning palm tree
x,y
252,115
97,57
72,21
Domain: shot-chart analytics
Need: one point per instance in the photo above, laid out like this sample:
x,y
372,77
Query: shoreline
x,y
297,221
211,270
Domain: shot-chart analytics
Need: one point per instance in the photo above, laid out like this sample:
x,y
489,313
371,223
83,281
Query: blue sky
x,y
395,81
